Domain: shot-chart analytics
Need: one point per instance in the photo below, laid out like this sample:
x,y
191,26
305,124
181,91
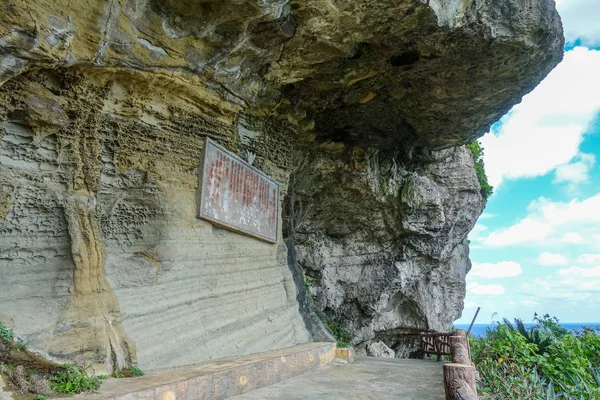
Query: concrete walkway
x,y
368,378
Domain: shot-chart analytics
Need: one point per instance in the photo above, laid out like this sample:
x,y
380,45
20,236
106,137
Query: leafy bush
x,y
532,335
550,325
477,152
74,379
590,346
542,362
6,334
342,338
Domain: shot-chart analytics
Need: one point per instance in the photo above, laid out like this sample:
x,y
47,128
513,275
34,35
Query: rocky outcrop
x,y
358,109
380,349
385,245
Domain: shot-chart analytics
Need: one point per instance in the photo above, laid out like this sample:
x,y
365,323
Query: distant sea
x,y
479,329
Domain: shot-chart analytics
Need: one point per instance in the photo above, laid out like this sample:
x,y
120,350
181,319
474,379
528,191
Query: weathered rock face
x,y
102,255
384,244
355,108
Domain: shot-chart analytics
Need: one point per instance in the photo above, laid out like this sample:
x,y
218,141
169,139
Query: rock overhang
x,y
385,74
433,76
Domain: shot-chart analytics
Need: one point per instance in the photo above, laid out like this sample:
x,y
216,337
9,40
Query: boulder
x,y
380,349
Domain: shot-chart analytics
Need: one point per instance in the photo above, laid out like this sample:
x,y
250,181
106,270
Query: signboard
x,y
235,195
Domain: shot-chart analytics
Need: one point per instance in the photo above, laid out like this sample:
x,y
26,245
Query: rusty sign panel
x,y
235,195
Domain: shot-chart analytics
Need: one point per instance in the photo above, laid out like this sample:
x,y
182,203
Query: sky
x,y
536,248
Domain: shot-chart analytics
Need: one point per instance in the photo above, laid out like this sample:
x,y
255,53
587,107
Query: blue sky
x,y
536,248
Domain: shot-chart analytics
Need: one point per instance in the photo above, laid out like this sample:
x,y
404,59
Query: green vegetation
x,y
135,371
73,379
477,152
342,338
9,367
543,362
308,287
41,379
6,334
128,372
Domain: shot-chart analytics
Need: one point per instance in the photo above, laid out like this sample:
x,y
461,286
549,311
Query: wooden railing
x,y
435,344
459,375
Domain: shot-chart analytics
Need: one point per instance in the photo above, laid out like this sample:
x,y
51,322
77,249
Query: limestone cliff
x,y
385,246
358,109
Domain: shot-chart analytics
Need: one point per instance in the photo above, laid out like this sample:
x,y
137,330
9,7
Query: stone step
x,y
218,379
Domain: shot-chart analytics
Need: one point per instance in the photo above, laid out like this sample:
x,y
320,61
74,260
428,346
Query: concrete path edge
x,y
218,379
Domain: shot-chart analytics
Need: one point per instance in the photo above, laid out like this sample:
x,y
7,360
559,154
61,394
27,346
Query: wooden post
x,y
459,382
462,332
459,350
459,377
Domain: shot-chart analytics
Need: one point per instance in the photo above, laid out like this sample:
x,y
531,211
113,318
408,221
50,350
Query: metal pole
x,y
473,322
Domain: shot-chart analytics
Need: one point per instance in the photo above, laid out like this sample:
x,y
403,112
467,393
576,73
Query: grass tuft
x,y
128,372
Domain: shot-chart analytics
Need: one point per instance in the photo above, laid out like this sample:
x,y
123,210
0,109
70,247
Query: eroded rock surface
x,y
358,109
102,255
384,244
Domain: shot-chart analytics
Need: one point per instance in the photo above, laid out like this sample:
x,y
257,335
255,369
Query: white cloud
x,y
589,258
572,237
547,220
485,290
575,172
551,259
529,303
487,216
545,130
503,269
569,286
580,20
527,230
578,272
